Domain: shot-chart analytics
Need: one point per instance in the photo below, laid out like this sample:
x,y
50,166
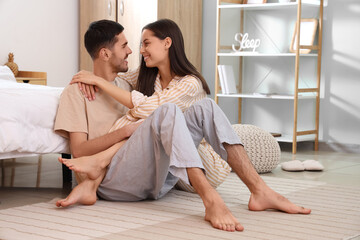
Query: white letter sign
x,y
245,43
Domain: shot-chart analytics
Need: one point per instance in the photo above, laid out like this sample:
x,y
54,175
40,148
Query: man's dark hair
x,y
101,34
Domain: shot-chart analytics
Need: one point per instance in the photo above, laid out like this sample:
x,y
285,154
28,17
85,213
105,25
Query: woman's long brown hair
x,y
179,63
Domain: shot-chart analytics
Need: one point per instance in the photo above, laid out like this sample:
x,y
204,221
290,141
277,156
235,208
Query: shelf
x,y
246,12
289,138
269,6
264,96
256,54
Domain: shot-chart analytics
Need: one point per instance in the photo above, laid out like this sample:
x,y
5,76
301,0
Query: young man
x,y
162,150
87,123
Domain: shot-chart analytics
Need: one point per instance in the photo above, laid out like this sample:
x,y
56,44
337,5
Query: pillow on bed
x,y
6,74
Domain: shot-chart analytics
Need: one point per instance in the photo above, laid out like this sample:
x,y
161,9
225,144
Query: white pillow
x,y
6,74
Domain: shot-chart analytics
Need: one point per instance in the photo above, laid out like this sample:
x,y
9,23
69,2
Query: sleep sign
x,y
245,42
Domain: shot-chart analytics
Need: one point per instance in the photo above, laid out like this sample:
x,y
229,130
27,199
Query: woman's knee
x,y
206,101
167,107
205,104
166,111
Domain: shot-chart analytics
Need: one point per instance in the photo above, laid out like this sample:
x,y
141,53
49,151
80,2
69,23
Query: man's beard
x,y
119,68
122,69
116,66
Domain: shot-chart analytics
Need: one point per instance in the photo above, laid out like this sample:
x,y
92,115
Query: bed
x,y
27,114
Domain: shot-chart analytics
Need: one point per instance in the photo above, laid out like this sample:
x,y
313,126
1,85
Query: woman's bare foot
x,y
220,216
84,193
92,166
269,199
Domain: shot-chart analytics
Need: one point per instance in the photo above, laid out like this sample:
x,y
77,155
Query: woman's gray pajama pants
x,y
157,154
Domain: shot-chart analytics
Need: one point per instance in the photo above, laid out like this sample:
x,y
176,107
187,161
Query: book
x,y
221,80
229,78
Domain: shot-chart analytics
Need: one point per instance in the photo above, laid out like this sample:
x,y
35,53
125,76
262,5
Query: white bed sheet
x,y
27,115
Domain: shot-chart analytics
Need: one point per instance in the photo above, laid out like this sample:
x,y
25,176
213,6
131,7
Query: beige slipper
x,y
312,165
293,166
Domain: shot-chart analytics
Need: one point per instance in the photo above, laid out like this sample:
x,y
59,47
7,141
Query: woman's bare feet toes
x,y
221,218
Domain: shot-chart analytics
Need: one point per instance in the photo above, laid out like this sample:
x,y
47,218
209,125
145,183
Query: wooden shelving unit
x,y
299,93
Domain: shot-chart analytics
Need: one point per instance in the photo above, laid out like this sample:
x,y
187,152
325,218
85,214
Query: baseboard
x,y
339,147
323,146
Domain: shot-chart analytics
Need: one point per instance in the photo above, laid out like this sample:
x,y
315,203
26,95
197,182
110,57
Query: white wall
x,y
340,112
339,107
43,35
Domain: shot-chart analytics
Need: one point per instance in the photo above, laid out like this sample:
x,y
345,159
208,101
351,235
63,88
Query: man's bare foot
x,y
220,216
92,166
269,199
84,193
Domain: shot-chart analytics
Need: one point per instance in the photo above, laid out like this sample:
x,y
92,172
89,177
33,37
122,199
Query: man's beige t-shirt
x,y
77,114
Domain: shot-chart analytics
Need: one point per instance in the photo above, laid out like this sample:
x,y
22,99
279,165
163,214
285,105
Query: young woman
x,y
163,149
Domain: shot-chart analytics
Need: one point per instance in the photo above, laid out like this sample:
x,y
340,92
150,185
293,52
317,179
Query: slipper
x,y
312,165
293,166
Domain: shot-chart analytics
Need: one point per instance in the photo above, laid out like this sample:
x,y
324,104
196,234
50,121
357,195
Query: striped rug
x,y
179,215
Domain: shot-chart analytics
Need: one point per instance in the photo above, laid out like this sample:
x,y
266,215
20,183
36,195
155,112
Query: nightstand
x,y
37,78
